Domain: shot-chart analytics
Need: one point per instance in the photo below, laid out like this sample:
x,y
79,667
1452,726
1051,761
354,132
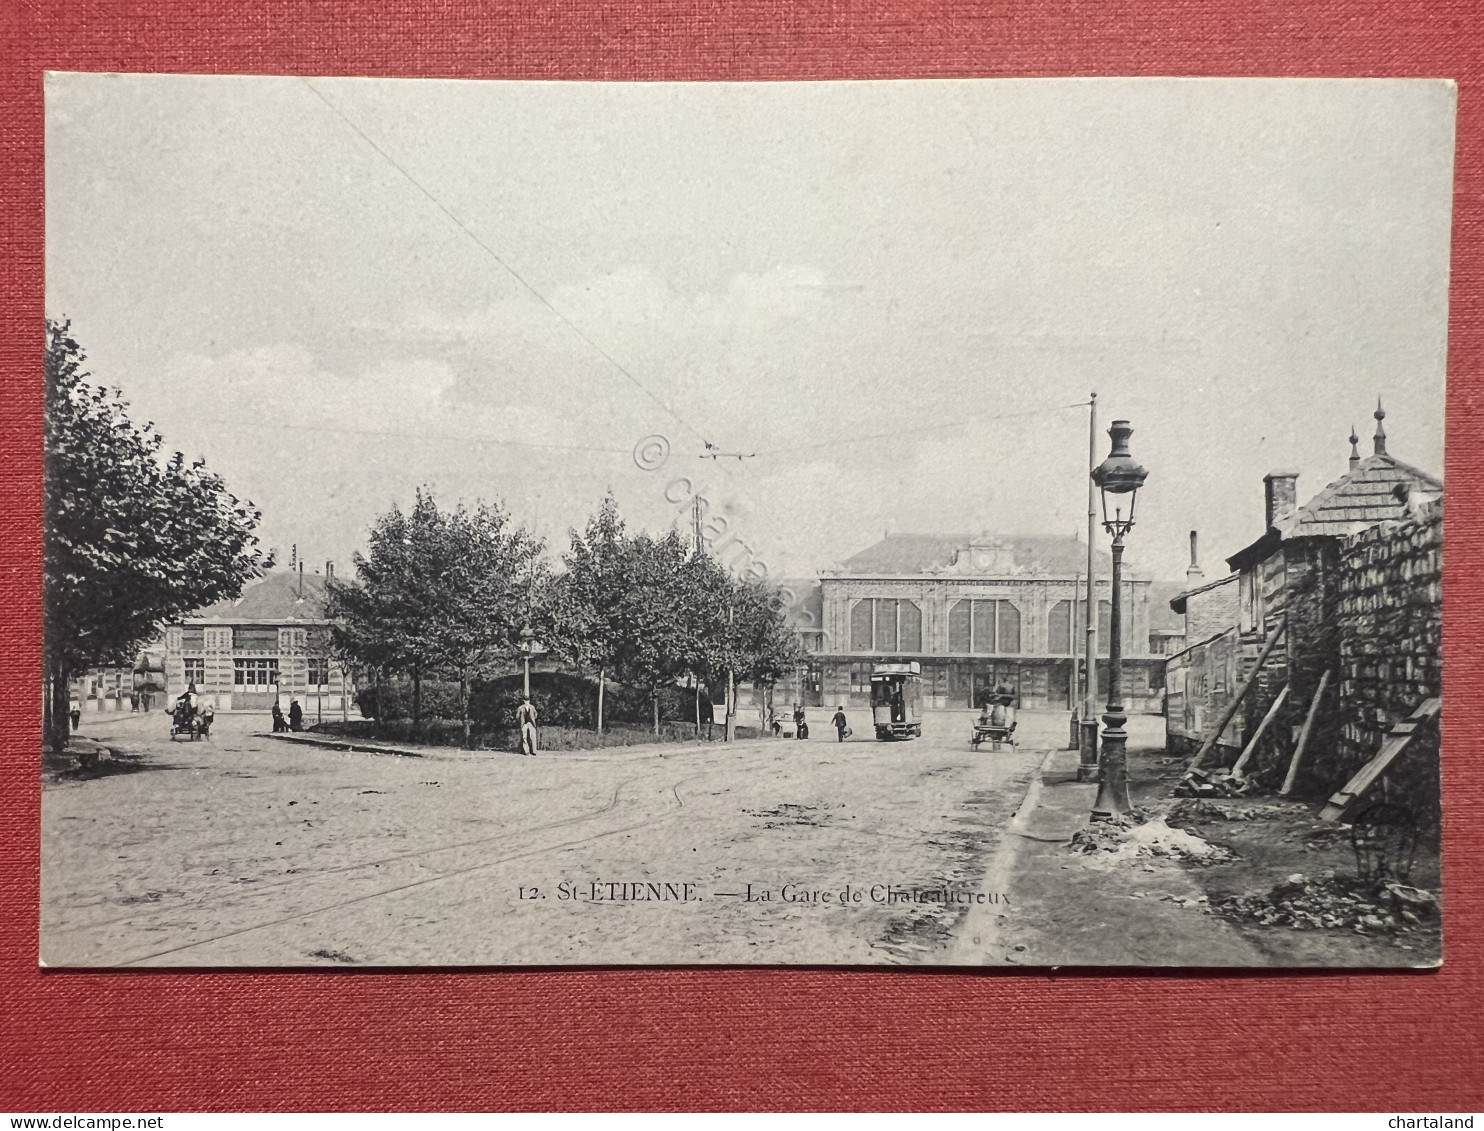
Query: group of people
x,y
295,721
190,707
840,723
998,710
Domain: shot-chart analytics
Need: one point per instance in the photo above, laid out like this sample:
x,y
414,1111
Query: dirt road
x,y
249,851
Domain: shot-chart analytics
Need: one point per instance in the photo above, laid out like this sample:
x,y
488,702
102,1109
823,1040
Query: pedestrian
x,y
841,726
708,713
525,718
801,722
279,725
296,715
76,716
208,716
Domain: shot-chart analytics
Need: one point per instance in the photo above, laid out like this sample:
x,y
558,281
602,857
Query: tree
x,y
652,620
582,622
442,591
133,538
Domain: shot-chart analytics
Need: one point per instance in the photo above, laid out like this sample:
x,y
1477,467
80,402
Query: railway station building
x,y
980,613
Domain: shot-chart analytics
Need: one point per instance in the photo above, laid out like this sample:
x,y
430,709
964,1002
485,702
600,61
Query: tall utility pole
x,y
731,721
1076,689
1087,769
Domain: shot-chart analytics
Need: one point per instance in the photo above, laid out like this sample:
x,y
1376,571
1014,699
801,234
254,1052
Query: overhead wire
x,y
510,270
899,432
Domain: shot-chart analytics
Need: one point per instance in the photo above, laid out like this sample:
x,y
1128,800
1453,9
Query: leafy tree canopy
x,y
134,537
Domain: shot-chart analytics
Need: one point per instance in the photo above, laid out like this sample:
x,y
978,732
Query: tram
x,y
896,700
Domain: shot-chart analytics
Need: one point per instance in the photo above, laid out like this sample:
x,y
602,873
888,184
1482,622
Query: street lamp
x,y
1117,476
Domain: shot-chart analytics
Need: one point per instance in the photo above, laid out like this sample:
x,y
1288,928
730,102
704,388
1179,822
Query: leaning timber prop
x,y
1303,738
1397,739
1247,751
1236,700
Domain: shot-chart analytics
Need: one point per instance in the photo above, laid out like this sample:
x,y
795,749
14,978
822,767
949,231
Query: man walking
x,y
840,724
525,717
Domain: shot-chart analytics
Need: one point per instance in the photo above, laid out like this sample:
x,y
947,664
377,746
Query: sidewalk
x,y
1065,909
1151,902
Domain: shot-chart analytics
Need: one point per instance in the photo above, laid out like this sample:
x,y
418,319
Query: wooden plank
x,y
1236,700
1258,733
1396,740
1303,739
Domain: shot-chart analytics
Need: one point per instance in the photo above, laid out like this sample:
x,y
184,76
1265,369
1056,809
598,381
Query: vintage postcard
x,y
959,523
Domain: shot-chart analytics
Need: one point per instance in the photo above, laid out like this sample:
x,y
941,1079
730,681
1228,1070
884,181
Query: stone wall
x,y
1388,613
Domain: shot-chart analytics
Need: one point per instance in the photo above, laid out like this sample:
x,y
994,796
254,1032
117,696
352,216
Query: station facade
x,y
979,613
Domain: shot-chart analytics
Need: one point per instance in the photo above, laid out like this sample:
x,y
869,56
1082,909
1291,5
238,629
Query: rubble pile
x,y
1195,811
1197,784
1111,842
1335,903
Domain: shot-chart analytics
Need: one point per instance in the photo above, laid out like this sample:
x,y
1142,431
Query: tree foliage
x,y
133,537
647,611
441,592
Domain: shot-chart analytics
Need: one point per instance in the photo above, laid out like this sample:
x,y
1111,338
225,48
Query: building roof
x,y
1177,602
272,599
909,555
1362,498
1379,488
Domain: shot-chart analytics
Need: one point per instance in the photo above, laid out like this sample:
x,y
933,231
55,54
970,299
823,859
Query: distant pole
x,y
730,730
1087,769
1076,736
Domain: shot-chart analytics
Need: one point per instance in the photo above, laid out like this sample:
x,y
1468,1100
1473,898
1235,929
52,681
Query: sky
x,y
892,298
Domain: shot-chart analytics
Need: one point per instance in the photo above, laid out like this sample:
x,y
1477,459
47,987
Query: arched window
x,y
882,624
984,628
1008,617
1059,629
860,627
958,626
911,626
886,625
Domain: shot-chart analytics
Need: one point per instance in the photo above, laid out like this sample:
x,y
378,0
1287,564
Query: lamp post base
x,y
1113,800
1087,767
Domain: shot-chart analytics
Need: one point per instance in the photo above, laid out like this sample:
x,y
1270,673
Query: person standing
x,y
525,718
279,726
707,712
841,726
801,722
296,715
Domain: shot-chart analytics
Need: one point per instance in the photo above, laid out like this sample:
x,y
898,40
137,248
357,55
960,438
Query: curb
x,y
341,744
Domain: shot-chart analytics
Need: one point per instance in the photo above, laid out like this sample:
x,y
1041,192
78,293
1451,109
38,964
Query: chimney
x,y
301,580
1194,575
1354,449
1380,438
1281,489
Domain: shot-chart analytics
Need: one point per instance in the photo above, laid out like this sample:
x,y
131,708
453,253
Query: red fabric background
x,y
656,1039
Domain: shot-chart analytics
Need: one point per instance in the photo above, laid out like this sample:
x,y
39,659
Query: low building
x,y
1292,578
1202,676
978,613
271,643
